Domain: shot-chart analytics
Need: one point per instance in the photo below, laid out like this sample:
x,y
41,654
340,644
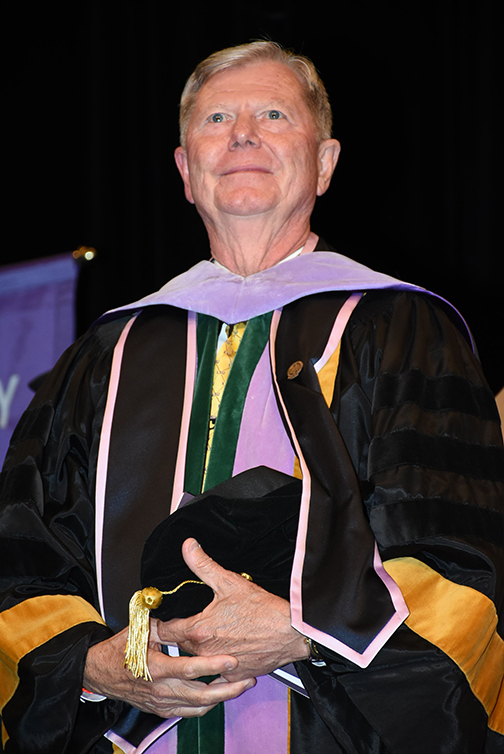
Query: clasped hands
x,y
244,632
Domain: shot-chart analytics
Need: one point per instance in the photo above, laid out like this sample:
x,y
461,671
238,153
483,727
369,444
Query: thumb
x,y
202,564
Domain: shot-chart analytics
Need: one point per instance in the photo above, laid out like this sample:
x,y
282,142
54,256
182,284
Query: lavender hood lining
x,y
210,289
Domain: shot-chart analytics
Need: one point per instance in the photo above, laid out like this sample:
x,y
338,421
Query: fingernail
x,y
230,665
194,545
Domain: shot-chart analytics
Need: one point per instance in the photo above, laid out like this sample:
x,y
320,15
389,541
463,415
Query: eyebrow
x,y
267,103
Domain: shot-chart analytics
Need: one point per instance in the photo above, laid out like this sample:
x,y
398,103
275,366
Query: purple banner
x,y
37,323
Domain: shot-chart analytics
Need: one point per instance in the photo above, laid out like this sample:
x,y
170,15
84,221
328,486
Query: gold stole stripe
x,y
462,622
32,623
327,380
327,375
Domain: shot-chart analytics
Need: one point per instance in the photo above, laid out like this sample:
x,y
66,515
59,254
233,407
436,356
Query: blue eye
x,y
217,118
274,114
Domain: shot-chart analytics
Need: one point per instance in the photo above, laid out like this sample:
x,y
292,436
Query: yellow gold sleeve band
x,y
462,622
32,623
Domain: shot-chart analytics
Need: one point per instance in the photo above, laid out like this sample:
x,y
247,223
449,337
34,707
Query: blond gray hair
x,y
256,52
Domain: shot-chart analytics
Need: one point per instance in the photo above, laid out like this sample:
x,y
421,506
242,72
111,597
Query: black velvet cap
x,y
246,524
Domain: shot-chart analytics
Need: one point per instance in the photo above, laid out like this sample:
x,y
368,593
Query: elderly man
x,y
363,387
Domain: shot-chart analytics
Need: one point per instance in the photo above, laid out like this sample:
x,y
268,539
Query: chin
x,y
245,203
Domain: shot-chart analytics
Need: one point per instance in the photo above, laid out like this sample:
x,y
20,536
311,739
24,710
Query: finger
x,y
175,697
159,632
224,691
189,668
204,567
196,694
250,682
199,698
174,632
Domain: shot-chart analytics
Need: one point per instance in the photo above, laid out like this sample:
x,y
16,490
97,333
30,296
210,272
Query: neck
x,y
248,246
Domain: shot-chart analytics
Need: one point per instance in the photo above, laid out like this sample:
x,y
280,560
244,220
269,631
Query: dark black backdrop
x,y
90,110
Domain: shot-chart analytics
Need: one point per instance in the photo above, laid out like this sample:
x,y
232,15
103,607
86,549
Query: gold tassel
x,y
140,606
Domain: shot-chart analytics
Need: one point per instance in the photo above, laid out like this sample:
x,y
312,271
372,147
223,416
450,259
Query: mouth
x,y
246,169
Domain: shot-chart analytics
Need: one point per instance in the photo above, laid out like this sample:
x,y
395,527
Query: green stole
x,y
205,735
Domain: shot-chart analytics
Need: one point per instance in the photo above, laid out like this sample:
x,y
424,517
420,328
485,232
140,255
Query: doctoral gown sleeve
x,y
49,605
423,433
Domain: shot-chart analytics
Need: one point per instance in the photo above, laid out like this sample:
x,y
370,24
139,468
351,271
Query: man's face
x,y
252,148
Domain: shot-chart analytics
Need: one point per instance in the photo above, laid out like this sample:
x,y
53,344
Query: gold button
x,y
294,370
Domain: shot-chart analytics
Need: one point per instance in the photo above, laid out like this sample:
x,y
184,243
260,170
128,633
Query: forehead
x,y
266,80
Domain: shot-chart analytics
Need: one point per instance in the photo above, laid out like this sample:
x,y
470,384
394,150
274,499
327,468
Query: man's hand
x,y
243,620
173,691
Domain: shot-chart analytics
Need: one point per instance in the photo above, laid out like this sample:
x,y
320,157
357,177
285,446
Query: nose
x,y
244,133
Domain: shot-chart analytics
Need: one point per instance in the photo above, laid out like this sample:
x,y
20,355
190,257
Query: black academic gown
x,y
422,450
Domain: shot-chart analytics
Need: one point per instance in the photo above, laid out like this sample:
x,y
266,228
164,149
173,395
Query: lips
x,y
246,169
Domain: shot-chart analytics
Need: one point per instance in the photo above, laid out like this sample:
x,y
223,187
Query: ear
x,y
183,168
328,153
